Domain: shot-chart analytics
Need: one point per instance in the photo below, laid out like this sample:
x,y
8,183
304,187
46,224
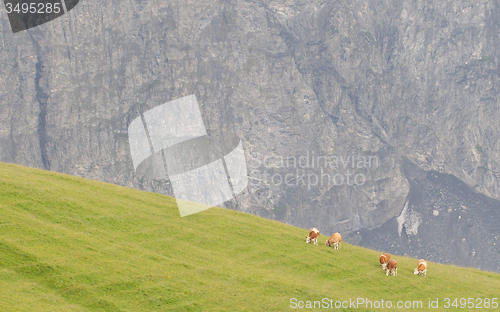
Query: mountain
x,y
366,85
73,244
443,220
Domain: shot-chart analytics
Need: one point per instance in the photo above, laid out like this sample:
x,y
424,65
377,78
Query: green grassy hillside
x,y
69,244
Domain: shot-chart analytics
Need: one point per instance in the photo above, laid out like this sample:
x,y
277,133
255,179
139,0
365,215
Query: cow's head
x,y
384,265
327,243
308,239
416,272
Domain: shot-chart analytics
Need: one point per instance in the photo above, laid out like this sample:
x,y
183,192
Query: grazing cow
x,y
334,240
313,236
384,258
392,268
421,268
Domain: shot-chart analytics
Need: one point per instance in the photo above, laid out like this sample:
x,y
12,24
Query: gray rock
x,y
386,79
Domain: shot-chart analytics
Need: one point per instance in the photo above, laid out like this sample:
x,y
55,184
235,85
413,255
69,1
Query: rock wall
x,y
374,81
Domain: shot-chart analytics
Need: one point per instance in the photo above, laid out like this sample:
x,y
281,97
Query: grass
x,y
72,244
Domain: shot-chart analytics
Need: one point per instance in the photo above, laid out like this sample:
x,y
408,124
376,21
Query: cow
x,y
334,240
392,268
421,268
384,258
313,236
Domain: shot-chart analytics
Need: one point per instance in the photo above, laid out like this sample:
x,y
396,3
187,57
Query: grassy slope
x,y
71,244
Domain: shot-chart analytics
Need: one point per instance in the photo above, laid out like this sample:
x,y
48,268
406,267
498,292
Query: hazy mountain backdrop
x,y
397,102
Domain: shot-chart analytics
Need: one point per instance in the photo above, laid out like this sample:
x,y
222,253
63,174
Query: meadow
x,y
70,244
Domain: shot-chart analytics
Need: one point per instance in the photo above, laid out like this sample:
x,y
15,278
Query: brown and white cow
x,y
421,268
384,258
313,236
392,268
334,240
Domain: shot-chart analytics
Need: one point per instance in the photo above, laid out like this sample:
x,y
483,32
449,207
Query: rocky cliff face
x,y
329,99
443,220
